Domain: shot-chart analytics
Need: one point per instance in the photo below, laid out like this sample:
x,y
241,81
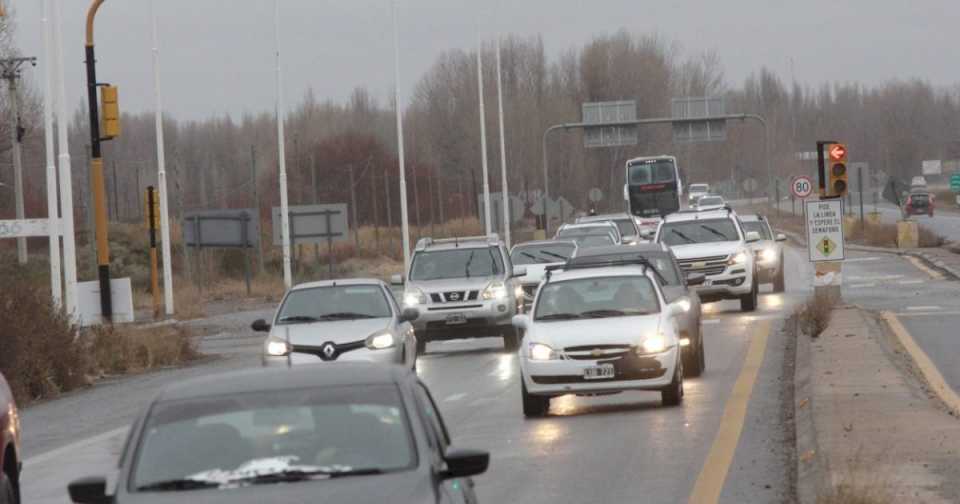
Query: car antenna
x,y
289,348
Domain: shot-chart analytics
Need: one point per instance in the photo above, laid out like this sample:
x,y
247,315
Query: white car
x,y
340,320
710,202
592,234
697,191
768,251
535,257
715,244
629,229
599,328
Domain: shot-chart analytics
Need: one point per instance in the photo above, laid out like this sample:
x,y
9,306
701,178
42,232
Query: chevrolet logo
x,y
701,264
596,353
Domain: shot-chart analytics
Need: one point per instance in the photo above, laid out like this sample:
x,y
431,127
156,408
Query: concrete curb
x,y
936,263
812,468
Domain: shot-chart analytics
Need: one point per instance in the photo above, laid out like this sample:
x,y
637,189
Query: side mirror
x,y
464,463
519,271
781,237
520,321
396,279
626,192
260,325
89,491
696,279
752,237
409,315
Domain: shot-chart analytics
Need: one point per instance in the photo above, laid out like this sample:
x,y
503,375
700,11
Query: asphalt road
x,y
730,441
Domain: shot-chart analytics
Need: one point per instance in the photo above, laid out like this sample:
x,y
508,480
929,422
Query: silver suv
x,y
463,288
715,244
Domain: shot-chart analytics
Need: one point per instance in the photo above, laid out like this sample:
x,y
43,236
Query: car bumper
x,y
386,356
464,320
566,376
732,283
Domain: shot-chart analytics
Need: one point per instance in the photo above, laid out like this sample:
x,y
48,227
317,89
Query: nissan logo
x,y
454,296
329,351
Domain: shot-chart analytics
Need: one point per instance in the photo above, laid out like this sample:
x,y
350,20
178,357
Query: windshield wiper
x,y
466,267
603,313
294,475
559,316
535,258
345,316
178,484
551,254
299,318
714,231
681,235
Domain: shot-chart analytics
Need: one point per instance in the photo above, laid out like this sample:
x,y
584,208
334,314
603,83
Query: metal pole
x,y
281,153
316,199
17,161
860,197
488,224
152,226
546,180
245,240
405,227
353,207
96,171
503,154
162,174
66,175
376,210
256,203
53,213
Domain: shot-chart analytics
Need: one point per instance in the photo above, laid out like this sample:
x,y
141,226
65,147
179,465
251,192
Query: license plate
x,y
456,318
598,372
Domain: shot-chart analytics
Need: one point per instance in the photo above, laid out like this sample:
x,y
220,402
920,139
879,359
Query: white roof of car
x,y
601,271
342,281
750,217
720,213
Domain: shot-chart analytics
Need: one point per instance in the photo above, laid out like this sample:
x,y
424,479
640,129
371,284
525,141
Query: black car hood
x,y
407,487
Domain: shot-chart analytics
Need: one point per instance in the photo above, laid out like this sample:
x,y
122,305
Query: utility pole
x,y
256,202
504,191
282,156
53,210
162,174
488,224
404,220
66,172
10,71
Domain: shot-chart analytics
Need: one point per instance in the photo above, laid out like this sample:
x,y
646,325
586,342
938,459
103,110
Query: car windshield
x,y
710,200
456,263
626,226
699,188
698,231
544,253
256,437
334,302
759,227
598,297
593,240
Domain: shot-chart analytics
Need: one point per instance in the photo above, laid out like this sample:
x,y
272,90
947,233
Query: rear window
x,y
699,188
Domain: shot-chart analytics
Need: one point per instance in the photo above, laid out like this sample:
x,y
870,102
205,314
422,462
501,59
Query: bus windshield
x,y
659,171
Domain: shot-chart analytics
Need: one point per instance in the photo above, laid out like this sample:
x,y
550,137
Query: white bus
x,y
653,189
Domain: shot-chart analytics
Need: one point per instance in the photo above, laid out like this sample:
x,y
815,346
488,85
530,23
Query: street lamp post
x,y
503,154
488,224
66,173
282,156
404,224
56,284
162,172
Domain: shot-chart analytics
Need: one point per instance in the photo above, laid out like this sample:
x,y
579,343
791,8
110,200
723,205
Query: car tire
x,y
673,394
421,345
7,493
533,406
511,339
779,283
748,302
693,360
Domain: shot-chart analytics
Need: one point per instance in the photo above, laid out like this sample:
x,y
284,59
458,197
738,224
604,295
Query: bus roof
x,y
651,158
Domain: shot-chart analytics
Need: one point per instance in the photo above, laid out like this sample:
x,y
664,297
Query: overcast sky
x,y
217,55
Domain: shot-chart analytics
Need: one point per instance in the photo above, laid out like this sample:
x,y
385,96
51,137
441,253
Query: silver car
x,y
536,256
769,251
339,320
593,234
463,288
629,230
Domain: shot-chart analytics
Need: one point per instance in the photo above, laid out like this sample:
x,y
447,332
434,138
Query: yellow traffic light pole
x,y
96,171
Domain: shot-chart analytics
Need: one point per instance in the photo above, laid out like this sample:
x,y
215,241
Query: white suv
x,y
715,244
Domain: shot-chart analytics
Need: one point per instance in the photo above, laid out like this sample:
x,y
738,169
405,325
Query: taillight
x,y
909,201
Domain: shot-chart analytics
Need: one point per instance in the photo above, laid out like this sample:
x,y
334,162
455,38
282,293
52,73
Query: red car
x,y
918,203
10,462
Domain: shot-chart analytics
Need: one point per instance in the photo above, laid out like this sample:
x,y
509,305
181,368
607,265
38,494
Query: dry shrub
x,y
813,316
858,494
929,239
874,235
127,349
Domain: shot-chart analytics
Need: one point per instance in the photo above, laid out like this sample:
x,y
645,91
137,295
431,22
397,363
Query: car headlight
x,y
652,345
541,352
518,292
497,290
738,258
276,347
414,297
380,341
684,304
768,255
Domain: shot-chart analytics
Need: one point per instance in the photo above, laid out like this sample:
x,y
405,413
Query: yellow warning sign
x,y
826,246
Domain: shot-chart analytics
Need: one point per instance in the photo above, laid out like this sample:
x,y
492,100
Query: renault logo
x,y
329,351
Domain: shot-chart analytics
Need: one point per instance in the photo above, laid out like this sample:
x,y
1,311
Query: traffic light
x,y
837,182
109,113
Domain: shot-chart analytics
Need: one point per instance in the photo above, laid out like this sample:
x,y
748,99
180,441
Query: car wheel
x,y
691,358
421,345
748,302
511,340
7,495
779,283
533,406
673,394
703,356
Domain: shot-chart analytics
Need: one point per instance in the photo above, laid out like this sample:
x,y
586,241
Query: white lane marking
x,y
879,278
910,282
710,321
927,313
454,397
73,447
923,308
862,259
863,286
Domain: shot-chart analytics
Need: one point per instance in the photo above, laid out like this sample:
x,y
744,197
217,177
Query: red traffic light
x,y
837,152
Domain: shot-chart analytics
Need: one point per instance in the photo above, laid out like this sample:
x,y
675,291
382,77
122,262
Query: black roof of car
x,y
275,379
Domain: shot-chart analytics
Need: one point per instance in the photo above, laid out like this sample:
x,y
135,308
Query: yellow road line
x,y
927,367
714,472
924,268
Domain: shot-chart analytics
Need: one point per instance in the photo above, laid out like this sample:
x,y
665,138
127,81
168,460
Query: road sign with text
x,y
825,230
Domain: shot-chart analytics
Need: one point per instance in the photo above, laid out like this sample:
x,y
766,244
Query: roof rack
x,y
585,262
492,239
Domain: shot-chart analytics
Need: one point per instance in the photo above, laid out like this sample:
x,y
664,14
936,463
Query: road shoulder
x,y
859,401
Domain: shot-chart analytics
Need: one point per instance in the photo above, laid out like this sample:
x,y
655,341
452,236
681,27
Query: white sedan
x,y
597,329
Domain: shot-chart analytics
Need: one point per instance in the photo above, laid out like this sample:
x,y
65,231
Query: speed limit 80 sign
x,y
801,187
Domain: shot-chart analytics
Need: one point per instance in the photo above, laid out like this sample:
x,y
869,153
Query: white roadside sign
x,y
825,230
25,228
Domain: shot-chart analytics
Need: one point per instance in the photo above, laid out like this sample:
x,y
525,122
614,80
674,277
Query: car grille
x,y
713,265
454,296
596,352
